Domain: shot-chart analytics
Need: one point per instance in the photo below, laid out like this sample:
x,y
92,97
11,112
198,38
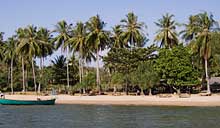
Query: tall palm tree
x,y
30,47
10,55
189,32
133,31
166,34
46,48
78,44
63,30
98,39
117,37
203,26
21,40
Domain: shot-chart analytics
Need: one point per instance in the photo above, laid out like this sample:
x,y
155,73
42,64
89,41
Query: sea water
x,y
108,116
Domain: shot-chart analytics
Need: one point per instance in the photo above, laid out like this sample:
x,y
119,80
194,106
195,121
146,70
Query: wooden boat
x,y
27,102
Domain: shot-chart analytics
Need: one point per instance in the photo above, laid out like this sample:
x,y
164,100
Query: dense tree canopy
x,y
175,67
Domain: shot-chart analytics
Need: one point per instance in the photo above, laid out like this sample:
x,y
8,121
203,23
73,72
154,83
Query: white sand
x,y
194,100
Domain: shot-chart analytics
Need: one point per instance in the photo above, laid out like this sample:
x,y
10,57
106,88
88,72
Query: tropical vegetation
x,y
181,56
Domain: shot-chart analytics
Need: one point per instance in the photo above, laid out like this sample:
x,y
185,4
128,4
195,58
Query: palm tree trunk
x,y
67,68
82,66
126,88
80,78
33,69
41,73
12,90
26,79
9,70
97,72
207,77
132,40
150,92
23,74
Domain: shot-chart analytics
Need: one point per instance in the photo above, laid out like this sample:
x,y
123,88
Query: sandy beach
x,y
194,100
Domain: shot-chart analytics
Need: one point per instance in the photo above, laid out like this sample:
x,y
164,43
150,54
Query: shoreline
x,y
194,100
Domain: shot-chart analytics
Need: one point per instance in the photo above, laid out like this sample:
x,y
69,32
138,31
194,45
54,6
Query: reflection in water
x,y
107,116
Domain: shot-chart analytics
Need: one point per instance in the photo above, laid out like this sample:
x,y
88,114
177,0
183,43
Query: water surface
x,y
107,116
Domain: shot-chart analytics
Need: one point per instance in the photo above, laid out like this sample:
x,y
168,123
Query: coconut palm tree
x,y
189,32
166,34
203,26
78,44
117,37
30,47
133,31
20,34
98,39
62,40
10,55
58,67
46,48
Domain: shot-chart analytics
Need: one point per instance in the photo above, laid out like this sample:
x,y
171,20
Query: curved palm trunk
x,y
207,77
23,74
97,72
33,69
67,68
12,90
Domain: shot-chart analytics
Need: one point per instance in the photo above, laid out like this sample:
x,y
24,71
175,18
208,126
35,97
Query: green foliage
x,y
145,75
133,34
166,35
117,79
125,61
88,81
98,38
175,66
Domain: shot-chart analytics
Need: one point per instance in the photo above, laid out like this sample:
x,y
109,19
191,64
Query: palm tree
x,y
46,48
30,47
117,37
21,40
78,43
189,32
10,55
98,39
58,67
63,30
203,26
166,34
133,32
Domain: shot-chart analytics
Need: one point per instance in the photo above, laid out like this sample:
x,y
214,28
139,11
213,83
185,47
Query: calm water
x,y
93,116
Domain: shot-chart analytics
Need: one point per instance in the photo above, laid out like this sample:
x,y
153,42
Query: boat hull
x,y
27,102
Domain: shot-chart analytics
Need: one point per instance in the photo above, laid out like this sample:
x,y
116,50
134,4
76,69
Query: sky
x,y
46,13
